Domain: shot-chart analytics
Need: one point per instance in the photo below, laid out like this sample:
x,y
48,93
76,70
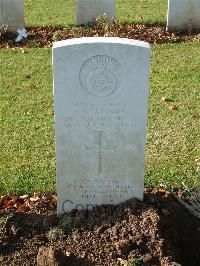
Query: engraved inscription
x,y
111,188
100,116
101,76
100,148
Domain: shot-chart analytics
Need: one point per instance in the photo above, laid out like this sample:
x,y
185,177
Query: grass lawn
x,y
27,157
63,12
27,124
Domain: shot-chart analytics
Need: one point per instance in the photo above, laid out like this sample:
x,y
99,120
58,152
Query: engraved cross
x,y
100,148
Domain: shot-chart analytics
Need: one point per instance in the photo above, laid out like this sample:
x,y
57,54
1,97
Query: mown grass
x,y
173,136
49,12
27,157
63,12
152,11
27,126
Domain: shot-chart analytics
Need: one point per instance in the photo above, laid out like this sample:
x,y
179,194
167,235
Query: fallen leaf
x,y
34,199
50,112
20,207
27,203
165,99
68,254
24,197
14,199
172,107
161,190
54,199
7,206
6,201
121,261
5,197
37,194
22,50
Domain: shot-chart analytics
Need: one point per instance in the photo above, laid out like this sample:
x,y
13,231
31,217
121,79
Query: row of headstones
x,y
180,13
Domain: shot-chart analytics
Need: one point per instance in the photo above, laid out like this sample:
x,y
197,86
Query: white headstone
x,y
183,15
101,94
12,14
88,10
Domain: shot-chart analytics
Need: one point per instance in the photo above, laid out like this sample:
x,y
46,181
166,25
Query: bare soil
x,y
157,231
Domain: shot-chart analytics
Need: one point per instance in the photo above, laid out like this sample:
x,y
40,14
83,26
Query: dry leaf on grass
x,y
22,50
172,107
50,112
165,99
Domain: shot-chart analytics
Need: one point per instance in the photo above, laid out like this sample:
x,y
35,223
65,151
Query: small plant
x,y
106,26
191,200
55,234
102,27
56,35
66,222
133,262
130,262
75,235
102,19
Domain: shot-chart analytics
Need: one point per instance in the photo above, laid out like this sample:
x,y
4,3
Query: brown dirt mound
x,y
158,231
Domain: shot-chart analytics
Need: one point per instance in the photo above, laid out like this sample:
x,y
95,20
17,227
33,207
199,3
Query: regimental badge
x,y
101,76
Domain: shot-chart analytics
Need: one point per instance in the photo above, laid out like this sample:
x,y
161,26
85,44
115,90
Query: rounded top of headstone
x,y
106,40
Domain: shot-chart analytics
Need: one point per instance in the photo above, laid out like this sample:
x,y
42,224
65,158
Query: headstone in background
x,y
12,14
88,10
101,94
183,15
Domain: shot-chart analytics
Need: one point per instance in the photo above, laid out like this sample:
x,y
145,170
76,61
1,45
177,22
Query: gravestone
x,y
12,14
183,15
101,95
88,10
